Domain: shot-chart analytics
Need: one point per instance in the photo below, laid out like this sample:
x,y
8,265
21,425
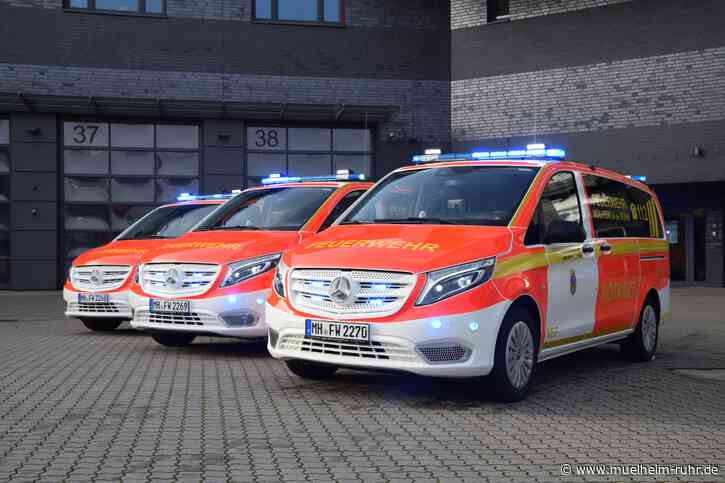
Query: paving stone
x,y
78,406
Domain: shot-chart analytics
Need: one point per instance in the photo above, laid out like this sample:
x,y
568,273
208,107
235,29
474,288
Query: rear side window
x,y
620,210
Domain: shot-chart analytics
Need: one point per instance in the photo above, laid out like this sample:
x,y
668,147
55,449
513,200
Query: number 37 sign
x,y
85,134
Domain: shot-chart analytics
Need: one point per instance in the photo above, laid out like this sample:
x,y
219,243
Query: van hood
x,y
222,246
121,252
408,248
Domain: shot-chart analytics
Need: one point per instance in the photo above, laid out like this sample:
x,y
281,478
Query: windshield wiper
x,y
416,220
237,227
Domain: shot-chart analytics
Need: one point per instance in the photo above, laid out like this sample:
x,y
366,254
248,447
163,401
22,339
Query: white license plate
x,y
170,306
337,330
92,298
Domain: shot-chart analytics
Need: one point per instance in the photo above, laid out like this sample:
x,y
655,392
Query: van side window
x,y
558,215
340,208
620,210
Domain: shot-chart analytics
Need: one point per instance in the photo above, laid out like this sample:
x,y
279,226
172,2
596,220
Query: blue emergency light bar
x,y
539,152
342,175
639,178
218,196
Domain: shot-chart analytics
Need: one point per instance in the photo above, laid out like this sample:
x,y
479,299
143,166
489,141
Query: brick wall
x,y
424,106
674,88
216,9
467,13
417,14
472,13
532,8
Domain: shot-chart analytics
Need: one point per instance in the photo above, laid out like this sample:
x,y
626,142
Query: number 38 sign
x,y
86,134
266,138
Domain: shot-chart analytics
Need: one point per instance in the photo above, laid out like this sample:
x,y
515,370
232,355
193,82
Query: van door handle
x,y
606,248
587,249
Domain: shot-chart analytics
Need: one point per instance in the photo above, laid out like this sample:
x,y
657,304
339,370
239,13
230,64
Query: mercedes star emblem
x,y
341,291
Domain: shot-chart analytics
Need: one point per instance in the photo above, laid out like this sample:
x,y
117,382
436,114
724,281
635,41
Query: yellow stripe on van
x,y
625,247
519,263
647,246
564,254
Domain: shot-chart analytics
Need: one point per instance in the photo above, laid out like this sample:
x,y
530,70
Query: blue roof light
x,y
639,178
538,152
341,175
217,196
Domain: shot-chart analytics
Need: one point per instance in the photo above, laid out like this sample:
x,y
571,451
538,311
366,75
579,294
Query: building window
x,y
312,11
302,151
497,10
114,173
153,7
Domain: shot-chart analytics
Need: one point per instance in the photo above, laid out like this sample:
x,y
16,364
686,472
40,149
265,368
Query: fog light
x,y
473,326
246,319
436,324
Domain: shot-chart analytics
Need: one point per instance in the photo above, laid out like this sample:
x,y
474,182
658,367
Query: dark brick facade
x,y
636,85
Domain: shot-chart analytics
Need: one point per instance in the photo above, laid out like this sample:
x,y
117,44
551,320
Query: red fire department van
x,y
96,291
476,264
215,279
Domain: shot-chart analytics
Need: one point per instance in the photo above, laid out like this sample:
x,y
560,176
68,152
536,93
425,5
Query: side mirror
x,y
560,231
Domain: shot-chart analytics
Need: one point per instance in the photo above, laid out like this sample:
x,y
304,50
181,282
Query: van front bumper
x,y
461,345
240,315
117,307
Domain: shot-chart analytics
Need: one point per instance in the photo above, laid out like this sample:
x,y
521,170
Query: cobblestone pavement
x,y
76,405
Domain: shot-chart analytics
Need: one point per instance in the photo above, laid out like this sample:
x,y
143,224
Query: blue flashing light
x,y
436,324
639,178
260,301
341,175
376,302
217,196
317,284
232,299
380,286
533,151
473,326
316,298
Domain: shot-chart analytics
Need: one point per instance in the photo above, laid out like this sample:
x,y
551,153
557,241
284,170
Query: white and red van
x,y
96,291
215,279
476,264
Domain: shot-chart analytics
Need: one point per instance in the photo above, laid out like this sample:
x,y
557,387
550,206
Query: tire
x,y
642,344
311,370
173,339
511,377
101,325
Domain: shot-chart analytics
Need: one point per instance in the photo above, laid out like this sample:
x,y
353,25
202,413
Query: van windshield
x,y
451,195
284,208
168,222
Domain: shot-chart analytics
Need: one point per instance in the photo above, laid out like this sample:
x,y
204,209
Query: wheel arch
x,y
528,303
653,295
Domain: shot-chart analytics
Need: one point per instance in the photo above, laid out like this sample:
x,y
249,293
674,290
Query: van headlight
x,y
246,269
279,278
450,281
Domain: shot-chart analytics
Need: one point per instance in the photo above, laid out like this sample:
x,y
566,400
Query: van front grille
x,y
371,293
99,277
